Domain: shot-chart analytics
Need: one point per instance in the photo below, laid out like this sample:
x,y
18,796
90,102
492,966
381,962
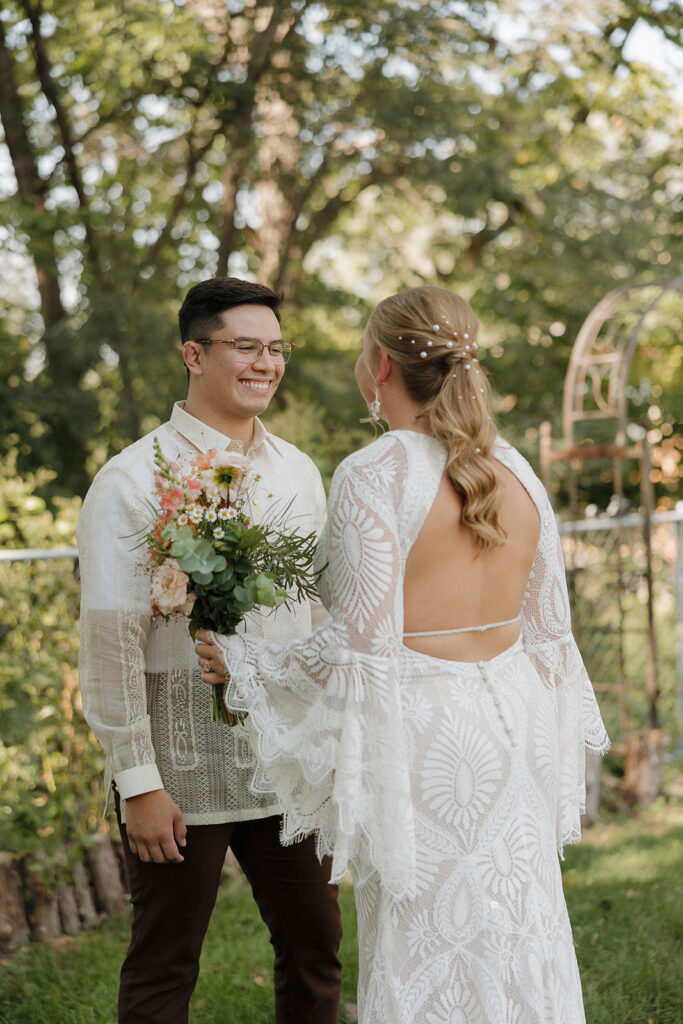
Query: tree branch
x,y
47,84
31,187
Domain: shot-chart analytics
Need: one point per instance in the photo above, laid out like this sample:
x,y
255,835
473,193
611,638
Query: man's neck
x,y
236,429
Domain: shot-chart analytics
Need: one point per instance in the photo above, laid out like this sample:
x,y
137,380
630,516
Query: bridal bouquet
x,y
209,561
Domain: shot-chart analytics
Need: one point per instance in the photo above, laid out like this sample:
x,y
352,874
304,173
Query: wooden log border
x,y
95,888
31,912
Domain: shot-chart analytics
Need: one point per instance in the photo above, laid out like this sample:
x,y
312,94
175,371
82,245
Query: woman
x,y
434,733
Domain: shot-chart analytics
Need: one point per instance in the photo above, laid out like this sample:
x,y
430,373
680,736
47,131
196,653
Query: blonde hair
x,y
431,334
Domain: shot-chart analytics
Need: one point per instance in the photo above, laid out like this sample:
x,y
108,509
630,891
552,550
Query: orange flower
x,y
172,499
204,461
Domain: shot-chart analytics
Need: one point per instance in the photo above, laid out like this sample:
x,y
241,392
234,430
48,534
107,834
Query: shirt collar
x,y
204,437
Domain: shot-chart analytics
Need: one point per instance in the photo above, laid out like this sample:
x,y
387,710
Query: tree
x,y
335,152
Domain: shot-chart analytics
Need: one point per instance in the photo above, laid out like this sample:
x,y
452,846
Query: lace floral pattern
x,y
449,786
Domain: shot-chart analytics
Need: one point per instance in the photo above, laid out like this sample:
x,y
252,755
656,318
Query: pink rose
x,y
169,588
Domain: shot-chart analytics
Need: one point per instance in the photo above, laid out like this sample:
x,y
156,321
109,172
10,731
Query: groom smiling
x,y
179,783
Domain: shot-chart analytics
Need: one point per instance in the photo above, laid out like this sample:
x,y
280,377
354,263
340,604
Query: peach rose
x,y
169,588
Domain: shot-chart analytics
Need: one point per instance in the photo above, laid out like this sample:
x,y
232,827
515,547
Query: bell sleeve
x,y
549,642
324,711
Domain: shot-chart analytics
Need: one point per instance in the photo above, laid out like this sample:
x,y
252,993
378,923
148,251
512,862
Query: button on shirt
x,y
142,692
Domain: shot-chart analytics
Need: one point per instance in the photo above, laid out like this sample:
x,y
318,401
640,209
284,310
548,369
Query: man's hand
x,y
155,827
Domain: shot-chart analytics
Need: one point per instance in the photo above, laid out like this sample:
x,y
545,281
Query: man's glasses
x,y
250,350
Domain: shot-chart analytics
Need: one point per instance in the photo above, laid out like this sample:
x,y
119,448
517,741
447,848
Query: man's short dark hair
x,y
200,313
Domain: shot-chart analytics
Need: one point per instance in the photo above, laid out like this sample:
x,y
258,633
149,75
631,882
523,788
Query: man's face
x,y
230,385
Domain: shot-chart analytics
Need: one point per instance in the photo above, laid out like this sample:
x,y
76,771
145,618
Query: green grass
x,y
623,888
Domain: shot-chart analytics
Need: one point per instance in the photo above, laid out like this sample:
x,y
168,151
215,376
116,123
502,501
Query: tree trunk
x,y
14,930
31,188
643,768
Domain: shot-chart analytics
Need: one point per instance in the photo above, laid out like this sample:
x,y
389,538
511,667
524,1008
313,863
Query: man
x,y
180,783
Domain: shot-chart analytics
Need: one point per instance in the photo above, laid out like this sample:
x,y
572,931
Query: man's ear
x,y
192,353
386,365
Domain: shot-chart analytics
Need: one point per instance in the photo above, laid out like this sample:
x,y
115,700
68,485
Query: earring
x,y
374,408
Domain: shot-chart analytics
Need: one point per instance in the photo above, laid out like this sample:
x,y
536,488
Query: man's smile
x,y
256,385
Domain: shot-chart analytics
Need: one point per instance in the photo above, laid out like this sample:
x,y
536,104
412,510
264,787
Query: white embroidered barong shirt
x,y
142,692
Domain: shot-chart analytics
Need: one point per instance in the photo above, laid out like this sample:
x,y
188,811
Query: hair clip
x,y
465,335
478,451
423,355
467,366
429,344
449,344
435,327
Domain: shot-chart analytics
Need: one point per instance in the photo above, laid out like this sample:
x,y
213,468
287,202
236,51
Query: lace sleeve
x,y
324,714
549,642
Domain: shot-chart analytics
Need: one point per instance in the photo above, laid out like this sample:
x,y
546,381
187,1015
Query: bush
x,y
50,765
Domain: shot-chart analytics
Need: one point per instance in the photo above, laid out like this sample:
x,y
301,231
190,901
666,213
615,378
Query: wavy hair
x,y
431,334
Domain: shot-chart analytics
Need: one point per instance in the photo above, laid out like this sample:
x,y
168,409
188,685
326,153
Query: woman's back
x,y
450,583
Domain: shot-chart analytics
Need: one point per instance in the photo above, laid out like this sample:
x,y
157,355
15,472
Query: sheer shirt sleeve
x,y
114,624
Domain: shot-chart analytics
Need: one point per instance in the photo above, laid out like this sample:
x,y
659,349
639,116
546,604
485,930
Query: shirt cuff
x,y
134,781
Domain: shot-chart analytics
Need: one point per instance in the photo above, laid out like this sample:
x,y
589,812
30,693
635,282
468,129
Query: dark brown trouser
x,y
172,904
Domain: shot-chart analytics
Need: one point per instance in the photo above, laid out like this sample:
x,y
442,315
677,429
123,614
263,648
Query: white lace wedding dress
x,y
449,787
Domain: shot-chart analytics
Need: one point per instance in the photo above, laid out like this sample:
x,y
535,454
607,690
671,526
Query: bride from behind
x,y
433,734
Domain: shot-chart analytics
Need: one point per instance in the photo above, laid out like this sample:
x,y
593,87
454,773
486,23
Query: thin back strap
x,y
466,629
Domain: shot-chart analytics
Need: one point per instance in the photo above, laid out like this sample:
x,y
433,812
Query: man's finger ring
x,y
207,666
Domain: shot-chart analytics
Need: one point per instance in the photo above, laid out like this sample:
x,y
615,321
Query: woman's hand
x,y
209,659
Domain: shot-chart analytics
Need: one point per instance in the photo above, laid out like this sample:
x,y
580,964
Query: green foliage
x,y
523,156
50,765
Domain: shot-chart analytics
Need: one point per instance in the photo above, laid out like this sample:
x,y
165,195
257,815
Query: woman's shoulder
x,y
385,464
379,465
